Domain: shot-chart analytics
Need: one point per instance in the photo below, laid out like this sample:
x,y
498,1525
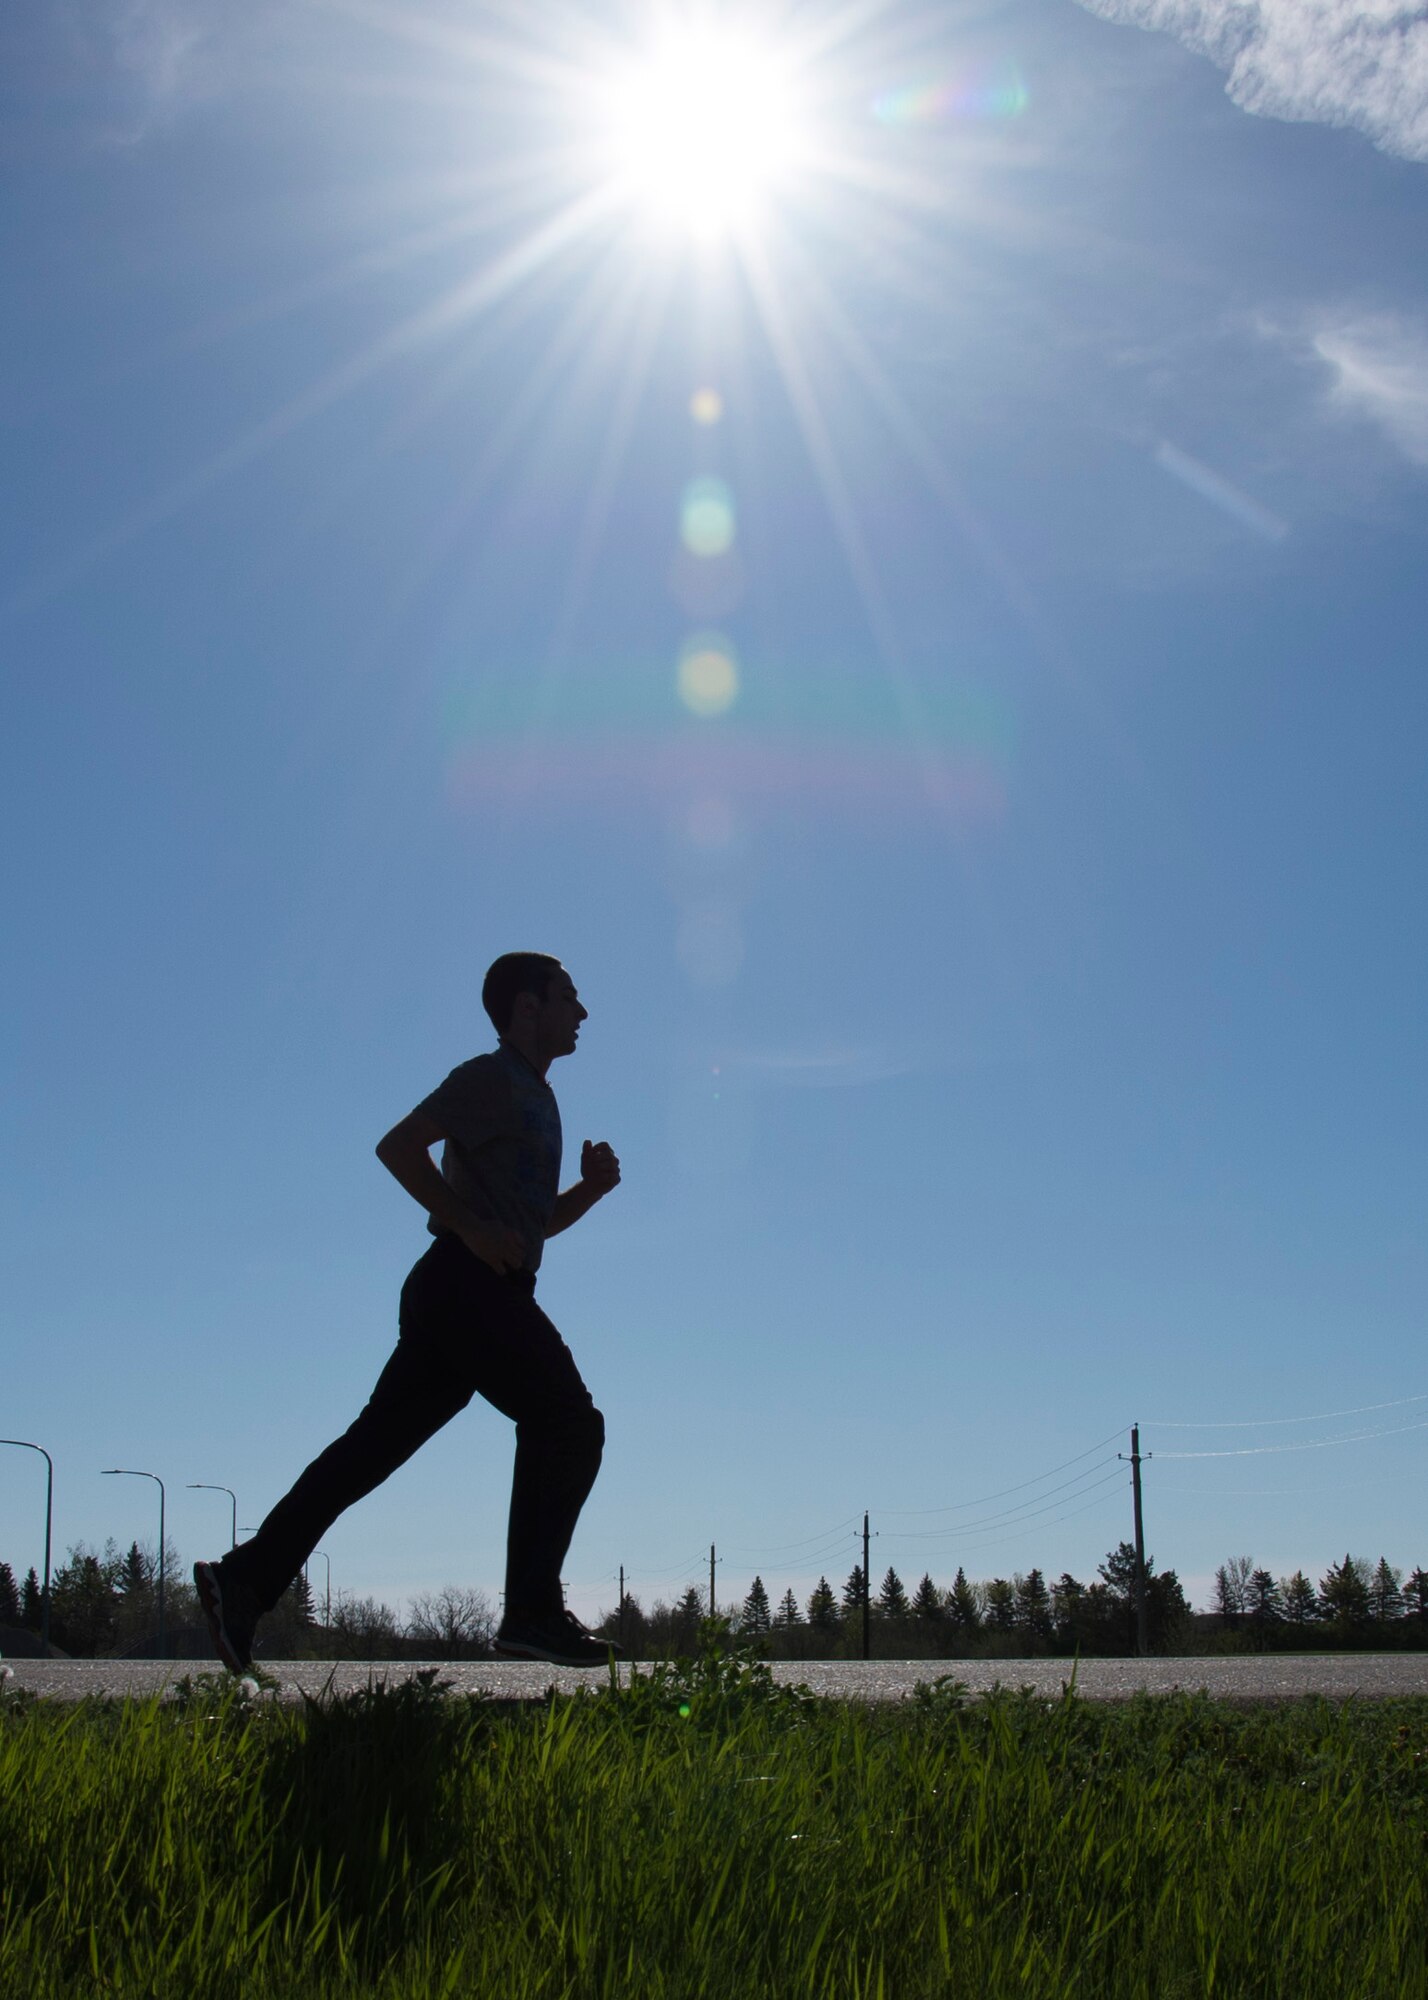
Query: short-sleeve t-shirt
x,y
502,1151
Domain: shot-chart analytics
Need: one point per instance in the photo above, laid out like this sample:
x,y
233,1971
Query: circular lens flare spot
x,y
706,517
706,406
708,675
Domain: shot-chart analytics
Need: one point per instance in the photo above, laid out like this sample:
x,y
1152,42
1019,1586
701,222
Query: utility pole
x,y
1142,1638
620,1615
867,1594
712,1612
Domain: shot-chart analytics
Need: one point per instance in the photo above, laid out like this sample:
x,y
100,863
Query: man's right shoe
x,y
560,1639
232,1612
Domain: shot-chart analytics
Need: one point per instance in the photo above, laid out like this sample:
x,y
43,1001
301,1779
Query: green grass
x,y
706,1834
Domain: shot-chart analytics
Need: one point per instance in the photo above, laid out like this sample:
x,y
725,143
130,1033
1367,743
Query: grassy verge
x,y
707,1834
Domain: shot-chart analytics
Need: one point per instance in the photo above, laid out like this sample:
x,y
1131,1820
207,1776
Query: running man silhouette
x,y
469,1325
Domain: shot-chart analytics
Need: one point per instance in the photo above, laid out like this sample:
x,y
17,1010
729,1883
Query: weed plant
x,y
704,1832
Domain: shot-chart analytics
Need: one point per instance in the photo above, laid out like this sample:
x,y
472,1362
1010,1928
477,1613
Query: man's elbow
x,y
395,1149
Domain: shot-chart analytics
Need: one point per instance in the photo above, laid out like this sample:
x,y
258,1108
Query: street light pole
x,y
202,1486
25,1445
127,1472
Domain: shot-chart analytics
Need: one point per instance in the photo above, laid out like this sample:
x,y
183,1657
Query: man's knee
x,y
592,1431
581,1429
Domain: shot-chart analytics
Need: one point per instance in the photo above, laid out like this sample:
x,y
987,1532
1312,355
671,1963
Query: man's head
x,y
532,1002
514,973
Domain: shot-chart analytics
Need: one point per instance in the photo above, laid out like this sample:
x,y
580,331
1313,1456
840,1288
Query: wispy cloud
x,y
161,44
1362,63
161,56
1380,371
818,1069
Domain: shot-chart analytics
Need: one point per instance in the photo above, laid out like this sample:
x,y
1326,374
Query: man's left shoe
x,y
559,1638
231,1611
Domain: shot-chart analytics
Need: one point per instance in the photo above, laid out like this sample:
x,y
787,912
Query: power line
x,y
1268,1423
1025,1511
1003,1541
777,1548
958,1506
1304,1444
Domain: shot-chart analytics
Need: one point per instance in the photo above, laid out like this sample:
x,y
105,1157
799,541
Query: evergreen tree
x,y
1415,1595
964,1614
1067,1597
1386,1592
1301,1606
1001,1605
689,1615
1165,1606
1105,1621
755,1617
9,1596
1344,1597
927,1602
82,1605
787,1614
823,1607
1264,1604
32,1602
855,1590
1033,1606
892,1598
133,1578
1232,1580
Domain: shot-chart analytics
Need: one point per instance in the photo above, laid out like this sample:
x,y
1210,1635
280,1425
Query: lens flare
x,y
992,93
706,517
706,406
708,676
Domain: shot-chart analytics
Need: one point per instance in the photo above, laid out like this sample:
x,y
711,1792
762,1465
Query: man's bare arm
x,y
405,1152
599,1172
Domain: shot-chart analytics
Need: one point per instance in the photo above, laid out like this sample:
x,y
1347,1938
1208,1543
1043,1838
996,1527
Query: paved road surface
x,y
1338,1675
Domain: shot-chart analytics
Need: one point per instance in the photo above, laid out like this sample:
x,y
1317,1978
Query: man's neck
x,y
524,1044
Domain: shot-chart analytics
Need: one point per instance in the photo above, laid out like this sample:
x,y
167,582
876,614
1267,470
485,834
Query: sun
x,y
702,130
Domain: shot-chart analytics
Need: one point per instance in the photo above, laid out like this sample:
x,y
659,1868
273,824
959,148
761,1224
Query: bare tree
x,y
363,1629
453,1623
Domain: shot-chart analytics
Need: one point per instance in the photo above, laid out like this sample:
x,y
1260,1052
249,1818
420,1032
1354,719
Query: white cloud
x,y
1381,372
1333,62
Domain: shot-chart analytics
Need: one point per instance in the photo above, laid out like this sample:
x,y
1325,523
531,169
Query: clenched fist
x,y
599,1167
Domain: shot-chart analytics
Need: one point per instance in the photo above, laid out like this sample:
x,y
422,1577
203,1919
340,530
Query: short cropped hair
x,y
516,972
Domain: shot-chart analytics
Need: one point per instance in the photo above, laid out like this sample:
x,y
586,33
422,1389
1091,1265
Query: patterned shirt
x,y
502,1151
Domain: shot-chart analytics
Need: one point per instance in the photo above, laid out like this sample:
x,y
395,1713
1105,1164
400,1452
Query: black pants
x,y
464,1330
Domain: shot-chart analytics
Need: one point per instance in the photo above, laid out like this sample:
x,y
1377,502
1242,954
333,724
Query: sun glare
x,y
702,130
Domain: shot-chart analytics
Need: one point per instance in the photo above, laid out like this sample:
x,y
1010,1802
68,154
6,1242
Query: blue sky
x,y
972,763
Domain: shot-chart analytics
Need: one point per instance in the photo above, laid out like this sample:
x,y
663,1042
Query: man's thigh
x,y
492,1337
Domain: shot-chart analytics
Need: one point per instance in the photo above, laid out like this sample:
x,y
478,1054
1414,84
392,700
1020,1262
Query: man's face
x,y
558,1017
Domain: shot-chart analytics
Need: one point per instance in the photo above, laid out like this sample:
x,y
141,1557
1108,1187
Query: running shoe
x,y
560,1639
232,1612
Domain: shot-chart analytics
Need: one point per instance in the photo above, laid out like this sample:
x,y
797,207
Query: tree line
x,y
103,1604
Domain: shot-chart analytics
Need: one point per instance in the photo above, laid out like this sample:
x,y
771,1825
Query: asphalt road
x,y
1341,1676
